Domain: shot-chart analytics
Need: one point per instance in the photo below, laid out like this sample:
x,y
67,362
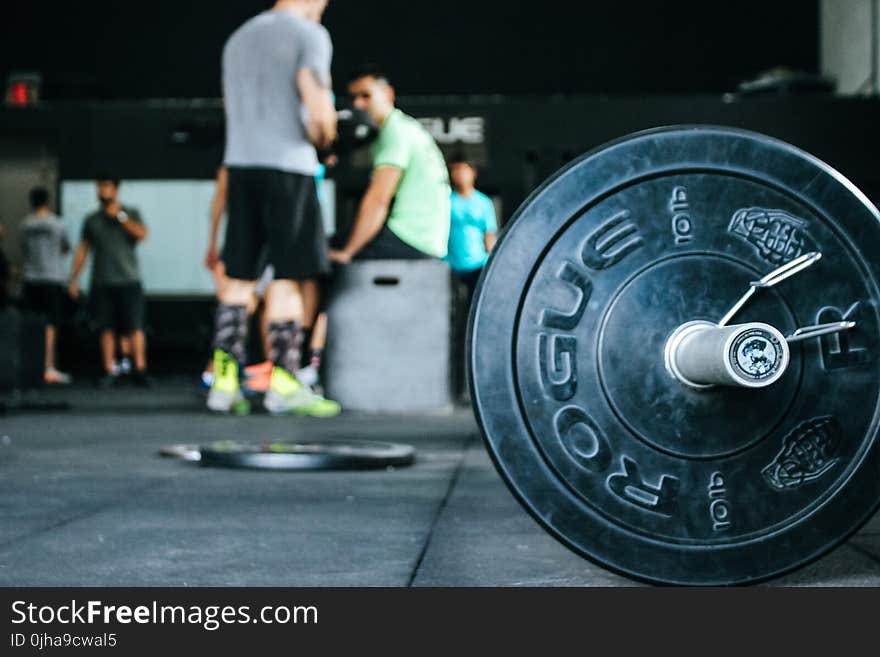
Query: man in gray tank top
x,y
279,108
44,243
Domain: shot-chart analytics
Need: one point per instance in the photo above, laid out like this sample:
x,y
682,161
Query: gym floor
x,y
86,501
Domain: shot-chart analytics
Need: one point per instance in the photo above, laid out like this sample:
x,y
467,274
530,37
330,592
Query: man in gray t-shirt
x,y
264,106
279,108
111,235
44,243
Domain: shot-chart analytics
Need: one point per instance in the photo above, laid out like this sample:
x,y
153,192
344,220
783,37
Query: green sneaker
x,y
225,394
287,395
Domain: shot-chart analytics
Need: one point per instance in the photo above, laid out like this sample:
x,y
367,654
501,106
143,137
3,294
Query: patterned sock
x,y
231,329
285,345
315,357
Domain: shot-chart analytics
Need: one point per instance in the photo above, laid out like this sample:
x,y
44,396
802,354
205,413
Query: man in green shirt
x,y
405,211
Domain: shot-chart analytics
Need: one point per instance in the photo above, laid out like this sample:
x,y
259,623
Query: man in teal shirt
x,y
473,230
404,213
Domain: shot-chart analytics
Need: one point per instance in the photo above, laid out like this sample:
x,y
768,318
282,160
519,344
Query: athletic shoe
x,y
287,395
53,376
308,376
321,407
225,395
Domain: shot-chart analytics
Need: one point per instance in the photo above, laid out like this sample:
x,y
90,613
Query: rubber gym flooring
x,y
86,501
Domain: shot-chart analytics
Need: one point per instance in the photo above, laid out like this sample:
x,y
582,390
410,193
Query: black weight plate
x,y
616,459
182,452
311,455
354,129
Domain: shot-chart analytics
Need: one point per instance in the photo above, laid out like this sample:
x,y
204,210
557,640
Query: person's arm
x,y
132,225
372,213
218,207
490,236
320,113
79,259
314,86
489,240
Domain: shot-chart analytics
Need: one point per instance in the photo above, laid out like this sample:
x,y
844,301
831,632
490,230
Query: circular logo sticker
x,y
756,354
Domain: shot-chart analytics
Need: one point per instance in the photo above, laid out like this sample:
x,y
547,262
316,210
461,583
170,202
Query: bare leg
x,y
264,330
310,298
284,303
50,347
319,332
254,303
139,344
108,350
221,280
236,292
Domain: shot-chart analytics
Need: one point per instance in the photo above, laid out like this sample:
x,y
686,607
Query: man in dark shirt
x,y
111,234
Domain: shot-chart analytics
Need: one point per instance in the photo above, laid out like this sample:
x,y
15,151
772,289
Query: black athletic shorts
x,y
470,280
119,308
388,246
385,246
275,213
46,299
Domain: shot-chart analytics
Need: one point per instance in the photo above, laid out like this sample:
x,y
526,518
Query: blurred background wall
x,y
111,49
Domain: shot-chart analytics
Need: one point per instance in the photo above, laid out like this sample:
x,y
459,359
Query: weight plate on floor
x,y
308,455
612,455
183,452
